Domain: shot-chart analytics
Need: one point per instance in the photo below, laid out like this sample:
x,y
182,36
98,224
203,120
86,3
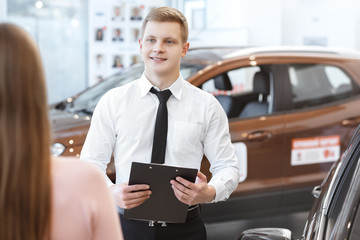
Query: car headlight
x,y
57,149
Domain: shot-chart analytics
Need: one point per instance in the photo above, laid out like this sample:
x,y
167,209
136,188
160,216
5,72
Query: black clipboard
x,y
162,204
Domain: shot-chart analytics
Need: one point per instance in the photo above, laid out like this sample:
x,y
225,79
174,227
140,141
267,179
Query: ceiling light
x,y
39,4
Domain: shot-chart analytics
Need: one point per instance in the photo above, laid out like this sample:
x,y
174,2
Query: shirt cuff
x,y
220,192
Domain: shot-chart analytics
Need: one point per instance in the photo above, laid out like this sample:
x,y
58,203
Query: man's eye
x,y
169,42
150,40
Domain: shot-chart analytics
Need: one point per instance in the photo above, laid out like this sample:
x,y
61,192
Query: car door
x,y
319,122
341,209
258,139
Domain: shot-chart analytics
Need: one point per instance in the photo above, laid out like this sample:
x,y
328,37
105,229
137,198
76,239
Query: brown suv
x,y
292,112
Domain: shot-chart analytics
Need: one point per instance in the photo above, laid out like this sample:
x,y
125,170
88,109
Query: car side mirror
x,y
266,234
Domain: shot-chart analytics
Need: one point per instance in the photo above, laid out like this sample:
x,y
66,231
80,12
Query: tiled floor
x,y
230,230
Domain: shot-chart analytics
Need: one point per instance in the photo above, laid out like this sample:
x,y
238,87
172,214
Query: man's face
x,y
161,48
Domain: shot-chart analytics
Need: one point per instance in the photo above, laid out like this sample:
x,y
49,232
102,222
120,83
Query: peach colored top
x,y
83,207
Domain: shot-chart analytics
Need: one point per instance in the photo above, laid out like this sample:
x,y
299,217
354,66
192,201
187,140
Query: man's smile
x,y
157,59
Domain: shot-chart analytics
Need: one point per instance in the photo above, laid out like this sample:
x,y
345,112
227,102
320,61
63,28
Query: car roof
x,y
222,53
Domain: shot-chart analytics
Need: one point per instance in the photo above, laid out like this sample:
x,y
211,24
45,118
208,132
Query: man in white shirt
x,y
123,124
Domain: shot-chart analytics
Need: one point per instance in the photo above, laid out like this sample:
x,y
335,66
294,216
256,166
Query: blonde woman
x,y
40,197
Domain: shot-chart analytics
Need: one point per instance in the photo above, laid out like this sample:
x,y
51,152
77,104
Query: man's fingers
x,y
128,204
184,182
201,177
130,196
137,194
180,186
137,187
181,196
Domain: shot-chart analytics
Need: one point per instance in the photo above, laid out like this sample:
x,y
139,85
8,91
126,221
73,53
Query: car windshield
x,y
86,101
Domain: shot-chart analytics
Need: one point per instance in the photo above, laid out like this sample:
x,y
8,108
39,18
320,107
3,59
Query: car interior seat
x,y
261,86
222,82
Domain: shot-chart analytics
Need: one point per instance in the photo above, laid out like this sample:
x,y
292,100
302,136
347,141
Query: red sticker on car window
x,y
315,150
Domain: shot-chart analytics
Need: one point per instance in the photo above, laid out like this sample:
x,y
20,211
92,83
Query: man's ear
x,y
185,49
140,44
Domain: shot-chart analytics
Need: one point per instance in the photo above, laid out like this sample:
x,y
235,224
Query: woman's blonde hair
x,y
25,186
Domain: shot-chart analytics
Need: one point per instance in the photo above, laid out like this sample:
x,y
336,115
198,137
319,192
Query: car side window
x,y
316,84
236,89
88,100
233,82
188,70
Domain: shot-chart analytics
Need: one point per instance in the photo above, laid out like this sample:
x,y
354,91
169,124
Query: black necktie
x,y
161,125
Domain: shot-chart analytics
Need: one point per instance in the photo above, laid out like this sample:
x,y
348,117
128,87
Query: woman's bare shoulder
x,y
73,169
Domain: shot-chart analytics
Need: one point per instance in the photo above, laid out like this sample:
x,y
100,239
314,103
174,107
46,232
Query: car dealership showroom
x,y
261,136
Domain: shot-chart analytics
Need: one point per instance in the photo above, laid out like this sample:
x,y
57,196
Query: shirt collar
x,y
144,85
176,88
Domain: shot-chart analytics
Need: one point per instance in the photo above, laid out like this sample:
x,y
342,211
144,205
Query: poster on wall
x,y
114,31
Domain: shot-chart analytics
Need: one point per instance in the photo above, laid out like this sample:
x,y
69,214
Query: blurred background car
x,y
335,212
292,112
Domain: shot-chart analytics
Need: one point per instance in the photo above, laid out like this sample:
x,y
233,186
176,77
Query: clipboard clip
x,y
151,223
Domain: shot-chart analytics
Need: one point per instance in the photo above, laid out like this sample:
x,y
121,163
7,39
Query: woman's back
x,y
82,205
42,198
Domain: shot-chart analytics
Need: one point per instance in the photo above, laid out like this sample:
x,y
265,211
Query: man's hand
x,y
128,197
193,193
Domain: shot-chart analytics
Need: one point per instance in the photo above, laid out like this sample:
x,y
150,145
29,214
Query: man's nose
x,y
158,47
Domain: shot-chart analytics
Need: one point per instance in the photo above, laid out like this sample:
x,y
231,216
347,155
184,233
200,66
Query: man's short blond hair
x,y
168,14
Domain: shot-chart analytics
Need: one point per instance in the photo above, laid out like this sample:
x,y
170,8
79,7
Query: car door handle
x,y
258,135
316,191
351,122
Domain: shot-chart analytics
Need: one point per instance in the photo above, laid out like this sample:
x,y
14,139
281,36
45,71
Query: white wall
x,y
328,22
2,10
357,27
334,23
263,20
240,23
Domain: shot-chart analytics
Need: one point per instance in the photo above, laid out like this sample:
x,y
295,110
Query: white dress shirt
x,y
123,124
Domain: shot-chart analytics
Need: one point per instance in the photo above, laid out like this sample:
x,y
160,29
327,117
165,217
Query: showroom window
x,y
59,29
